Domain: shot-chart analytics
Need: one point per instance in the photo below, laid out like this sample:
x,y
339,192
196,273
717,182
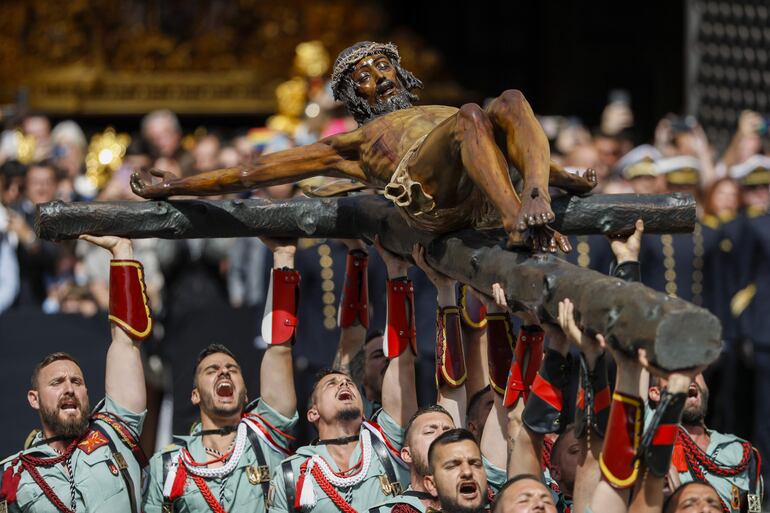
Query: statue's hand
x,y
141,183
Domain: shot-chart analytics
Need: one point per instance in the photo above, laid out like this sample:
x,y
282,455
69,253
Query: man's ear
x,y
654,394
195,397
430,485
313,415
34,399
406,454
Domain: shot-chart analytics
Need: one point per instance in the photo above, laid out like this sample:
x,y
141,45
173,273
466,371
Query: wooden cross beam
x,y
676,334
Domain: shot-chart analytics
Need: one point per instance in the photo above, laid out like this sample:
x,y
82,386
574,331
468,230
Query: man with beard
x,y
726,462
225,463
456,473
423,428
441,165
82,461
354,463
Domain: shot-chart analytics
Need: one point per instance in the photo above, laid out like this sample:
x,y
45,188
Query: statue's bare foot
x,y
141,183
535,210
547,240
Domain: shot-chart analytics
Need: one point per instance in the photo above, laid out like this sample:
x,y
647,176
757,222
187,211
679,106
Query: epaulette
x,y
8,459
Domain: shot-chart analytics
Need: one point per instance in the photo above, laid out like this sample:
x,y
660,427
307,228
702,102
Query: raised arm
x,y
353,318
336,155
131,323
399,392
276,374
451,373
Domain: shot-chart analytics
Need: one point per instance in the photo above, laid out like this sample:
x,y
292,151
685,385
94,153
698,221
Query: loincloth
x,y
419,208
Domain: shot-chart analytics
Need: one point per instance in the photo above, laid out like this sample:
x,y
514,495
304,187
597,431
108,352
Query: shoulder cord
x,y
697,459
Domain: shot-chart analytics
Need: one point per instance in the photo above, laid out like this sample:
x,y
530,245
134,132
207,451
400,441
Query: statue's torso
x,y
388,138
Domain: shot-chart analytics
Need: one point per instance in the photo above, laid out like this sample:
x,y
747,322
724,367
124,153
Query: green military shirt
x,y
99,485
496,478
363,495
238,492
726,450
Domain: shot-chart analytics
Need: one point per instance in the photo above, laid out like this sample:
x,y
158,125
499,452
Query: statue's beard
x,y
402,99
70,428
348,414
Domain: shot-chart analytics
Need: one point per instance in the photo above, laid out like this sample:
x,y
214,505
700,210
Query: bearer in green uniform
x,y
81,461
355,464
225,463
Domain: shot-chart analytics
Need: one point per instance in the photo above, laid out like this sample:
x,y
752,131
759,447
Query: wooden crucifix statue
x,y
445,168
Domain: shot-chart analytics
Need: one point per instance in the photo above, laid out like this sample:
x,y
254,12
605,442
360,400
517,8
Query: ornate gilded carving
x,y
214,56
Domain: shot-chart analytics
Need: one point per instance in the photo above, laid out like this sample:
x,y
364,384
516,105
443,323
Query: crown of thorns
x,y
349,56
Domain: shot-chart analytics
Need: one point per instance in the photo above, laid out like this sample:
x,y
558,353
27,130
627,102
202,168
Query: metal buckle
x,y
168,507
120,460
755,505
3,506
260,474
389,488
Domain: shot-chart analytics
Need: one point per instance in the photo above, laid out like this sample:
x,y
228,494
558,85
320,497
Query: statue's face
x,y
375,79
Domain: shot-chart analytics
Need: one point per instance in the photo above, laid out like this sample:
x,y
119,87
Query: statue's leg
x,y
571,182
462,147
527,149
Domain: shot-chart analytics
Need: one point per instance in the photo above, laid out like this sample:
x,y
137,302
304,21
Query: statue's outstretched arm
x,y
321,158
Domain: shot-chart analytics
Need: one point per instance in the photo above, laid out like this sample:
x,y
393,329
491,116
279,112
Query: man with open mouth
x,y
79,460
726,462
226,461
456,473
356,463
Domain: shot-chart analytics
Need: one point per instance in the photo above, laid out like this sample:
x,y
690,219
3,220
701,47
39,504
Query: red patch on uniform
x,y
113,468
92,441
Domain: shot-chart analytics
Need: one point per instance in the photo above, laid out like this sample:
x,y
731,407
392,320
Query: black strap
x,y
288,484
261,462
336,441
122,466
382,454
752,472
419,495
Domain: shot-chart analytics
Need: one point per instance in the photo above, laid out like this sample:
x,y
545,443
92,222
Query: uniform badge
x,y
113,468
92,441
735,498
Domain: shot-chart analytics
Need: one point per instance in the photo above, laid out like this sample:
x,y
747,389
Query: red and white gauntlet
x,y
279,323
129,305
400,331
